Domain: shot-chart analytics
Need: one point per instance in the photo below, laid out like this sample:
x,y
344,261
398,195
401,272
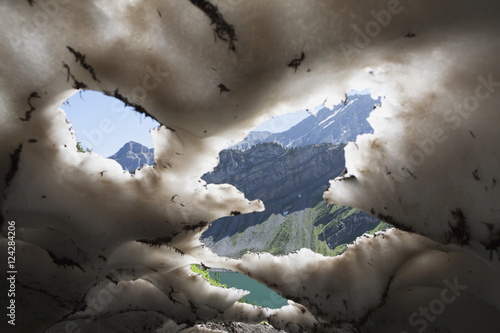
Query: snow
x,y
336,112
430,167
328,124
331,116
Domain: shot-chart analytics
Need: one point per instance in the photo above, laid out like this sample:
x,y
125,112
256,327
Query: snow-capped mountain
x,y
340,125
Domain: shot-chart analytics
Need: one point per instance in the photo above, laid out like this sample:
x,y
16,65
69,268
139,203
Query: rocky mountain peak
x,y
134,155
338,125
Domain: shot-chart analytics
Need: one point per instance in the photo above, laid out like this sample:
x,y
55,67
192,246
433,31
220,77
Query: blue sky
x,y
283,122
104,124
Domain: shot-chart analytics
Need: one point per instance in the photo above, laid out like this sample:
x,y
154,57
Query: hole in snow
x,y
298,154
287,162
104,125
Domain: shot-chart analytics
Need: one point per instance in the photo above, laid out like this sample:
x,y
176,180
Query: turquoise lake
x,y
259,294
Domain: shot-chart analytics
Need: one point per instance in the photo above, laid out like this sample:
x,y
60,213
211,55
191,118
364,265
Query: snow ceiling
x,y
97,248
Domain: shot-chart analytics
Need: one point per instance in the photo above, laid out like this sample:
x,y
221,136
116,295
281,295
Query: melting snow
x,y
98,249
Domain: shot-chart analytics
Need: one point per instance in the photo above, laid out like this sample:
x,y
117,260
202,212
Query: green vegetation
x,y
298,231
324,217
244,251
80,148
339,249
292,151
234,239
270,144
281,238
206,275
293,234
236,236
380,227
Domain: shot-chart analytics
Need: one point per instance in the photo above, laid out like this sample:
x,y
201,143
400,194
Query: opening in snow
x,y
104,125
299,154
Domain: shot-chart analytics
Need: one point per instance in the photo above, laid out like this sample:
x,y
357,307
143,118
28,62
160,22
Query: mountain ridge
x,y
340,125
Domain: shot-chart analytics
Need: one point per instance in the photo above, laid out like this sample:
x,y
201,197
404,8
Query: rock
x,y
340,125
290,183
274,174
134,155
236,328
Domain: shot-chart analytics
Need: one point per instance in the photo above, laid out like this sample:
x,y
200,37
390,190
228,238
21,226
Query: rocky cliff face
x,y
290,183
277,175
133,155
348,223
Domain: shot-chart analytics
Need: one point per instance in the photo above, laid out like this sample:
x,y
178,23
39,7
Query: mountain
x,y
340,125
274,174
133,155
296,216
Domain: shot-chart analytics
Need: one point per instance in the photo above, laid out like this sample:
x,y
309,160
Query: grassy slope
x,y
283,234
295,233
